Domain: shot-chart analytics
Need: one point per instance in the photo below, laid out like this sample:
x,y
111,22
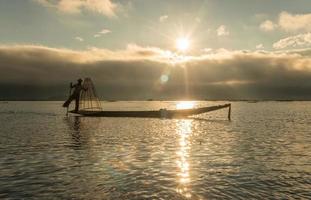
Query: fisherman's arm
x,y
73,85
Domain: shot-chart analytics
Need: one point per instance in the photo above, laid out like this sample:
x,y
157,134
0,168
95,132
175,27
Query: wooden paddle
x,y
69,97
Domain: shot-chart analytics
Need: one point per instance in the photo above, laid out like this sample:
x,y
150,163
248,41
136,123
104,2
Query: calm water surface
x,y
263,153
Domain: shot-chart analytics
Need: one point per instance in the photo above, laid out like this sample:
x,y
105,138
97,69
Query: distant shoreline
x,y
232,100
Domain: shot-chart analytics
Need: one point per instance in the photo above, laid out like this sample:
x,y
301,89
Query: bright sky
x,y
112,24
217,49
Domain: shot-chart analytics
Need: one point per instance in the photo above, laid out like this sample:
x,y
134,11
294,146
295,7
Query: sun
x,y
182,44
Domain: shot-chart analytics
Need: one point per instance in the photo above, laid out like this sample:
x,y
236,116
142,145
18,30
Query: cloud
x,y
291,22
163,18
207,50
267,26
259,46
104,7
105,31
102,32
80,39
135,73
222,31
288,22
301,40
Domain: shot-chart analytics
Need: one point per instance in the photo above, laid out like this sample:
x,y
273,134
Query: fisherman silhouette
x,y
75,95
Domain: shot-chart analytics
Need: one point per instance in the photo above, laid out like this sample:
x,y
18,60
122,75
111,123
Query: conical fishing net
x,y
88,97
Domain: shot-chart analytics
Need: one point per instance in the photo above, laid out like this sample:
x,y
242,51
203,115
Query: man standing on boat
x,y
75,95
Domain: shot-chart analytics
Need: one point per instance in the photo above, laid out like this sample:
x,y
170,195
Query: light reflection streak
x,y
185,105
184,130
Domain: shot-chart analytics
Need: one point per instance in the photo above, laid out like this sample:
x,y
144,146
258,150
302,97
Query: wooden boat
x,y
90,106
162,113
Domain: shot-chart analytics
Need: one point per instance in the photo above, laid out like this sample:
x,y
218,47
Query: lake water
x,y
263,153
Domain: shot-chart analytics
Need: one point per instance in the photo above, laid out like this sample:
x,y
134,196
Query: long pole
x,y
68,97
229,113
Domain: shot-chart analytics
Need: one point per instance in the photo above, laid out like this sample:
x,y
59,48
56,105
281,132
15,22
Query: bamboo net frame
x,y
89,100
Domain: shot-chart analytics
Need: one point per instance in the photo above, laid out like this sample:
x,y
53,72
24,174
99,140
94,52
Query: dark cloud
x,y
34,72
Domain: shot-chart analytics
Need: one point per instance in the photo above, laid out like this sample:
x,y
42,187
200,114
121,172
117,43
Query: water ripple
x,y
263,153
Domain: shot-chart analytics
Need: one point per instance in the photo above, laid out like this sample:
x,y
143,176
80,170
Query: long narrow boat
x,y
90,105
162,113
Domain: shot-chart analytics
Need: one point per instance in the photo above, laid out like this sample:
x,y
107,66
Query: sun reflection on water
x,y
184,130
185,105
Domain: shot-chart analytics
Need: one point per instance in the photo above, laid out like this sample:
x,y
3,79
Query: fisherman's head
x,y
79,80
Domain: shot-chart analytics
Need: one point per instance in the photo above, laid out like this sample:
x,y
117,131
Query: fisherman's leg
x,y
66,104
77,104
